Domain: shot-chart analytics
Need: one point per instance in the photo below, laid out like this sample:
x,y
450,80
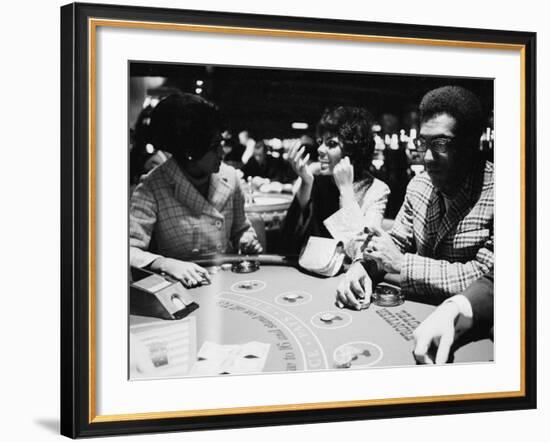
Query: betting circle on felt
x,y
331,319
231,314
293,297
362,354
248,286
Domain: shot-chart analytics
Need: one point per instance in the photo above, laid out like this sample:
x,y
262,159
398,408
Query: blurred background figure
x,y
146,93
487,141
389,123
263,164
397,173
143,155
232,150
411,119
247,143
393,158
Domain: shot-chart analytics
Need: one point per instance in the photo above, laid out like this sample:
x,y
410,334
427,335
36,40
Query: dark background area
x,y
267,101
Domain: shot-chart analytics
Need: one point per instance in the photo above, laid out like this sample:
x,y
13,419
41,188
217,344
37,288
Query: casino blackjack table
x,y
276,303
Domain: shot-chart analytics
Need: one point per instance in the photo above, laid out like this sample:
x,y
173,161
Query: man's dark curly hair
x,y
353,126
184,125
459,103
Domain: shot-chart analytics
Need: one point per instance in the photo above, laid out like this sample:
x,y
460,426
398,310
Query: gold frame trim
x,y
93,24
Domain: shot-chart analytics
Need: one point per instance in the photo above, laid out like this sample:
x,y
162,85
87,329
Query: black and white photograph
x,y
299,220
275,221
271,220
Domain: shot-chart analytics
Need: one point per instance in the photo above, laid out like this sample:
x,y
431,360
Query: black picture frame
x,y
76,249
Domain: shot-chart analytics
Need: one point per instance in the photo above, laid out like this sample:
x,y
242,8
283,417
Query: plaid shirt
x,y
170,217
445,253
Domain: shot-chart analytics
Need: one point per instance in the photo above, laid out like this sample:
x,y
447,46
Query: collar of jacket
x,y
460,205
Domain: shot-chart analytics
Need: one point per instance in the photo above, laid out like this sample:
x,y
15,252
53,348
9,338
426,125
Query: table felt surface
x,y
231,312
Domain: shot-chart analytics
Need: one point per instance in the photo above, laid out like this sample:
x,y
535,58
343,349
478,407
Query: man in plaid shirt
x,y
442,238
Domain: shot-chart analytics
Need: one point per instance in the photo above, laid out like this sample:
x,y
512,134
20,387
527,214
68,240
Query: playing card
x,y
215,359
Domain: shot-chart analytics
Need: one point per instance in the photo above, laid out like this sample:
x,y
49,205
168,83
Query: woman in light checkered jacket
x,y
192,205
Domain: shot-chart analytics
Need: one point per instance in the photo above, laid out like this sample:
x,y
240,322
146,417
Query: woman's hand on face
x,y
298,162
343,175
189,273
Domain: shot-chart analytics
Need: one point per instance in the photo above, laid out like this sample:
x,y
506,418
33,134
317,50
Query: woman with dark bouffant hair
x,y
342,185
191,205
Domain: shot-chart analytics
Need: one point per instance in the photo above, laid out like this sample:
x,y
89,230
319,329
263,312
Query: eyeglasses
x,y
437,145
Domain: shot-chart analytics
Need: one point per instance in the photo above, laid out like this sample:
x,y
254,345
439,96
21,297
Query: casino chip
x,y
343,360
345,356
248,286
327,317
363,303
204,281
331,319
245,266
293,298
357,354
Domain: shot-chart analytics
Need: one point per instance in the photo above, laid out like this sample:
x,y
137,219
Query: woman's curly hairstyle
x,y
353,126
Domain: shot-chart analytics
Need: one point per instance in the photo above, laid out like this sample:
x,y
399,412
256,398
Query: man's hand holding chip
x,y
354,285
